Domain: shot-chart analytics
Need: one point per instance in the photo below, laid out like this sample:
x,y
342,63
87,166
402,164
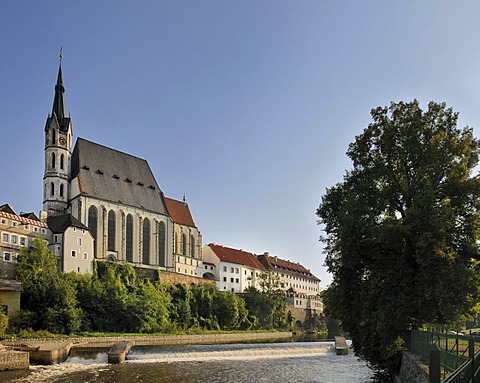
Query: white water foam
x,y
275,352
44,374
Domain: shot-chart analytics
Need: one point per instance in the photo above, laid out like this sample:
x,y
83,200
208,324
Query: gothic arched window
x,y
53,160
52,189
161,244
111,230
93,220
61,161
146,242
61,190
192,246
54,138
129,238
184,244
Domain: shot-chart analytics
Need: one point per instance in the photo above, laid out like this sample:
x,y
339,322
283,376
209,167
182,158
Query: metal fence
x,y
452,357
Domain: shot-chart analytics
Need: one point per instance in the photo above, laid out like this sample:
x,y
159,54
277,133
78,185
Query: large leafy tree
x,y
48,300
402,228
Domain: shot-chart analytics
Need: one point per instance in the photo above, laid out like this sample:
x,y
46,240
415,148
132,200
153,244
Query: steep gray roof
x,y
111,175
60,223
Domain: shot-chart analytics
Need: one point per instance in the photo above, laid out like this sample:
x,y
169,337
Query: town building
x,y
303,288
187,240
16,233
234,270
72,243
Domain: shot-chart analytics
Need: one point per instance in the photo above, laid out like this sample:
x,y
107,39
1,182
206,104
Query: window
x,y
231,269
162,244
129,239
61,162
5,237
53,161
44,231
3,221
146,242
79,241
224,279
23,241
236,280
192,246
61,190
225,268
237,270
14,224
35,229
111,230
231,280
184,244
74,254
53,137
7,256
52,189
92,220
206,267
85,256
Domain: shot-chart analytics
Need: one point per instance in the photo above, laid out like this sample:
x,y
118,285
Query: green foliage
x,y
402,228
114,300
3,320
48,301
267,307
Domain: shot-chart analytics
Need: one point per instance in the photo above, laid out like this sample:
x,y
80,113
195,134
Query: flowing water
x,y
221,363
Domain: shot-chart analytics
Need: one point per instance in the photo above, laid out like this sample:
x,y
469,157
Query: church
x,y
114,195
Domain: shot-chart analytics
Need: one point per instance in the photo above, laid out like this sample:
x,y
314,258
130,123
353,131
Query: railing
x,y
453,357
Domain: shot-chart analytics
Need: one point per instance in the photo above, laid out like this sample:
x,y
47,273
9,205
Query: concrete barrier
x,y
13,360
341,345
118,352
49,352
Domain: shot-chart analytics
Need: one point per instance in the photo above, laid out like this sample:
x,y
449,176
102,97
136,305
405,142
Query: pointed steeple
x,y
59,109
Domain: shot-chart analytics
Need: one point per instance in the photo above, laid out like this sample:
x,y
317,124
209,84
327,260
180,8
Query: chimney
x,y
43,215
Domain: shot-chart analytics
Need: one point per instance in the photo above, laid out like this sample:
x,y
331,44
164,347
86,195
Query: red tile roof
x,y
277,264
241,257
179,212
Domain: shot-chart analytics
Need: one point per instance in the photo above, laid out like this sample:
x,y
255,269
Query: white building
x,y
303,288
234,270
72,244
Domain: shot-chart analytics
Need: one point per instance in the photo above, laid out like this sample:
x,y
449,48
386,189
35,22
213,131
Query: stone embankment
x,y
49,351
412,370
13,360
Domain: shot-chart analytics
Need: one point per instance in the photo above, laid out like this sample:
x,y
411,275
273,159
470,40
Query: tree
x,y
402,228
267,306
48,300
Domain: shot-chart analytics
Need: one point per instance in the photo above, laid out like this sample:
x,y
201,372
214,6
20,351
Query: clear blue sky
x,y
246,106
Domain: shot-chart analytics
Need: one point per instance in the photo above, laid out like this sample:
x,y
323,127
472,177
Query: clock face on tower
x,y
62,141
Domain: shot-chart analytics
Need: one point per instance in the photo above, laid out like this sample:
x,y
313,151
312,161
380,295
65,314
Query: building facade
x,y
234,270
113,194
187,240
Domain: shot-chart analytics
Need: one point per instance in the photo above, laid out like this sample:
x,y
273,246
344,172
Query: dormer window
x,y
85,167
128,180
116,177
140,183
99,172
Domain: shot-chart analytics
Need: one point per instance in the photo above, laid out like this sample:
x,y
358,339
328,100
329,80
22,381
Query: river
x,y
222,363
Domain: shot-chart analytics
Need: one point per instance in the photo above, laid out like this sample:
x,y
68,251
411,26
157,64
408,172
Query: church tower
x,y
58,142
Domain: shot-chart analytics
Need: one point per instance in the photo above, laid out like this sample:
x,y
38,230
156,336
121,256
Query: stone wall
x,y
7,270
14,360
412,370
169,277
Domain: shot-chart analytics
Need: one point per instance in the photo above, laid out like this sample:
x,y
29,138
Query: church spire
x,y
59,109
